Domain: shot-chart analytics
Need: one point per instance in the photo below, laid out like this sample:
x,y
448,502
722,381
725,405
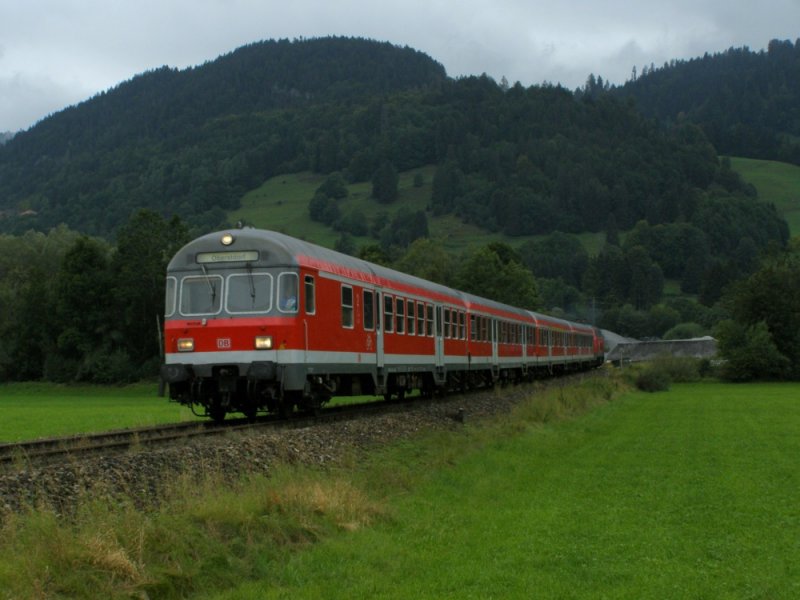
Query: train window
x,y
447,322
429,320
170,300
248,293
287,292
369,311
401,315
420,319
462,326
411,318
347,306
472,328
311,300
388,313
201,295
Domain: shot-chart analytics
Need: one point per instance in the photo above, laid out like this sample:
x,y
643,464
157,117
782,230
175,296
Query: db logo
x,y
223,343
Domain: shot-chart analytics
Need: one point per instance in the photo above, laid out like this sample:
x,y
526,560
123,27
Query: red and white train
x,y
260,321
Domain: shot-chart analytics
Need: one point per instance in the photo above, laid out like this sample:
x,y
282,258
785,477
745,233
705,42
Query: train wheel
x,y
217,410
250,411
288,402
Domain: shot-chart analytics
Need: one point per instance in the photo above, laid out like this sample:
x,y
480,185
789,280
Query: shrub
x,y
653,379
680,369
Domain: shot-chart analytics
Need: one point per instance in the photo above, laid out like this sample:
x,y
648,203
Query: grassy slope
x,y
776,182
281,204
687,494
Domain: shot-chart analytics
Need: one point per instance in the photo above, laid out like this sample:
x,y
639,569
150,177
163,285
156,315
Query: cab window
x,y
311,301
170,300
287,292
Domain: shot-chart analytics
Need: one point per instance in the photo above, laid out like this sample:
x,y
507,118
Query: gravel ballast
x,y
141,475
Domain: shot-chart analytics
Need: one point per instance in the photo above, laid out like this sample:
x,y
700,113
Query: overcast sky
x,y
55,53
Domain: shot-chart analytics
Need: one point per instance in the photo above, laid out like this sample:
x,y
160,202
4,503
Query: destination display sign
x,y
232,256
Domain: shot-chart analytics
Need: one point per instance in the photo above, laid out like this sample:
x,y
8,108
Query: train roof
x,y
278,249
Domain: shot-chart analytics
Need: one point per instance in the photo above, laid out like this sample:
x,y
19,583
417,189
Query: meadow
x,y
586,491
37,410
685,494
281,204
776,182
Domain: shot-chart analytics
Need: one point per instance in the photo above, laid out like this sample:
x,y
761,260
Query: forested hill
x,y
746,102
189,140
511,159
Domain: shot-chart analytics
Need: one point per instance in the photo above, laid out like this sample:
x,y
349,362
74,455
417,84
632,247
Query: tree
x,y
384,183
557,255
85,307
771,296
145,245
482,272
334,186
448,184
427,259
749,352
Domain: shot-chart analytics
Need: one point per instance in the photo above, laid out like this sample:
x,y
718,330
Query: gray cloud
x,y
58,52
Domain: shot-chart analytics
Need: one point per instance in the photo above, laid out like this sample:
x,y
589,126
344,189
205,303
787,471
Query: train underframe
x,y
217,390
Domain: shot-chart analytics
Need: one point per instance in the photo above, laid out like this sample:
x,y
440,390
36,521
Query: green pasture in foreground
x,y
690,493
685,494
36,410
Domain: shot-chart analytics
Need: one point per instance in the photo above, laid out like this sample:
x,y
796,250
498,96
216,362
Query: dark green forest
x,y
94,199
746,102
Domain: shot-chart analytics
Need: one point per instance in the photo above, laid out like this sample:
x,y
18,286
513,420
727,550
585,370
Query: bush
x,y
652,379
680,369
108,367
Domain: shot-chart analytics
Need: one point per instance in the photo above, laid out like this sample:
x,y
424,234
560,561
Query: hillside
x,y
193,141
746,102
777,183
514,161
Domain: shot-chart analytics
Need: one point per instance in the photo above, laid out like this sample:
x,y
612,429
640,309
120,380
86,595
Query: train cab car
x,y
259,321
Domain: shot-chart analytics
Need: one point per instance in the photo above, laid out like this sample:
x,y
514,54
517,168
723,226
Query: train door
x,y
439,337
379,347
495,353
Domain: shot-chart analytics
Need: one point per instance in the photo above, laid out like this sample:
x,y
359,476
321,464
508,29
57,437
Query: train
x,y
257,321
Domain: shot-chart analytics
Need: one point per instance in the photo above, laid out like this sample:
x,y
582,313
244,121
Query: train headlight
x,y
186,345
263,342
227,239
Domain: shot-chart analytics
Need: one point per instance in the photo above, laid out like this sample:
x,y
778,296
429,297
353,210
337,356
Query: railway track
x,y
53,450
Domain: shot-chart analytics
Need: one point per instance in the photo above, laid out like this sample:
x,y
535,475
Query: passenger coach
x,y
260,321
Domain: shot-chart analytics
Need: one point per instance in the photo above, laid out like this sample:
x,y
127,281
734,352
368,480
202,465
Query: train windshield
x,y
249,293
201,295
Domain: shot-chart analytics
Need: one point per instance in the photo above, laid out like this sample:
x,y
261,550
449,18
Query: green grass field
x,y
686,494
690,493
776,182
37,410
